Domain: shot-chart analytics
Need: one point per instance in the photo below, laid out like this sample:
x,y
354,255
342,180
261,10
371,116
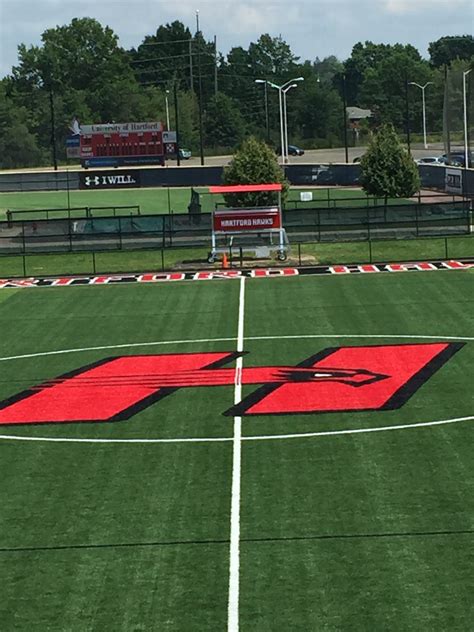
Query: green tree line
x,y
79,70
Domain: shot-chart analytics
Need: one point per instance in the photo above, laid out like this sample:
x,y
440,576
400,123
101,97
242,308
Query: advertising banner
x,y
109,179
453,180
245,220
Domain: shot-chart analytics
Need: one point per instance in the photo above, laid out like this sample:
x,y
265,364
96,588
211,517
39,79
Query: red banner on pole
x,y
246,220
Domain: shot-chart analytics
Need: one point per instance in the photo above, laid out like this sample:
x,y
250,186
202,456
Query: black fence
x,y
378,222
91,233
432,177
192,258
73,212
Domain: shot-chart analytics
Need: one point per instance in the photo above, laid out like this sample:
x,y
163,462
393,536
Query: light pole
x,y
422,88
344,117
293,85
198,42
176,121
167,111
464,94
280,99
267,127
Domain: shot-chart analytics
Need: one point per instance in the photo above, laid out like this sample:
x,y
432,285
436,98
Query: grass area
x,y
160,200
172,258
365,531
166,200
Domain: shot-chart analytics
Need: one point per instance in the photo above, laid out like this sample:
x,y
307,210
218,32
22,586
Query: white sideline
x,y
234,553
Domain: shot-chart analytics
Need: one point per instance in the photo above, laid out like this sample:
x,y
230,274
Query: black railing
x,y
167,259
91,233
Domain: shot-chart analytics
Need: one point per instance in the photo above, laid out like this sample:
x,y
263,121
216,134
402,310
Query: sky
x,y
313,28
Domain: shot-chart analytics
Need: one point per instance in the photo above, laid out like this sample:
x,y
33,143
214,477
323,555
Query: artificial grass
x,y
354,531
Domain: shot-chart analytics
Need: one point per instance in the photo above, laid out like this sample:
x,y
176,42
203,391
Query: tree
x,y
387,169
447,49
254,163
164,57
271,56
315,108
372,56
82,55
326,69
224,124
18,146
383,86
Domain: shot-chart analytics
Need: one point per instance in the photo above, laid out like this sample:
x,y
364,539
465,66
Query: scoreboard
x,y
115,144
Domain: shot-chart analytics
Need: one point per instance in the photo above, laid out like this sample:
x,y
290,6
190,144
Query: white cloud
x,y
401,7
313,28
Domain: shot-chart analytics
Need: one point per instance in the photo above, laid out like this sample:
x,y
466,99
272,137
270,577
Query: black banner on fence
x,y
109,179
342,175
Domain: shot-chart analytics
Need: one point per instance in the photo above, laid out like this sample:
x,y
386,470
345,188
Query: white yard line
x,y
234,553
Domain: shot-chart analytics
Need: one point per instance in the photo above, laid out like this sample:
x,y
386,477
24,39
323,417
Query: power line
x,y
188,54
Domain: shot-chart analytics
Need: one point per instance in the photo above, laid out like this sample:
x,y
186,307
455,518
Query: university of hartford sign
x,y
109,179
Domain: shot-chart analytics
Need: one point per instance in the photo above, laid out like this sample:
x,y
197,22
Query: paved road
x,y
311,156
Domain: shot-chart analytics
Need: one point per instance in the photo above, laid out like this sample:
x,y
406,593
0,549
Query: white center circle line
x,y
230,339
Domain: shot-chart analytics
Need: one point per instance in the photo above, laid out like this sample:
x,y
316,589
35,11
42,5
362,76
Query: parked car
x,y
293,150
457,159
184,154
431,160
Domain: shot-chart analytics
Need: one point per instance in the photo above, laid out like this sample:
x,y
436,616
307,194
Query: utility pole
x,y
447,113
191,81
215,64
201,146
167,110
176,122
267,123
53,128
407,114
344,105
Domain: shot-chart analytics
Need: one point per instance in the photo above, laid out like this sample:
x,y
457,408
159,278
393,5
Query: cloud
x,y
313,28
402,7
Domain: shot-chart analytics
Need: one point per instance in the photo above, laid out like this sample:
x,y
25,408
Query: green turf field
x,y
164,200
341,528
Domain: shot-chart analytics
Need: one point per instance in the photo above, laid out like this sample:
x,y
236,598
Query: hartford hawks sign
x,y
336,379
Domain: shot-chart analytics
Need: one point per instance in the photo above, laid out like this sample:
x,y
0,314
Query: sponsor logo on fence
x,y
109,179
453,180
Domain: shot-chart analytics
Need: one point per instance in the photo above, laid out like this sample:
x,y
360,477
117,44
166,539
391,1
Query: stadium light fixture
x,y
287,89
464,94
282,103
422,88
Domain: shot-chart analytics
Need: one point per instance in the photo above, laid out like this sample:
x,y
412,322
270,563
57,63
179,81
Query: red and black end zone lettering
x,y
340,379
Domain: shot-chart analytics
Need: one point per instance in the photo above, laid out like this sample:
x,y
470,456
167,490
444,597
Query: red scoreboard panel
x,y
123,143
